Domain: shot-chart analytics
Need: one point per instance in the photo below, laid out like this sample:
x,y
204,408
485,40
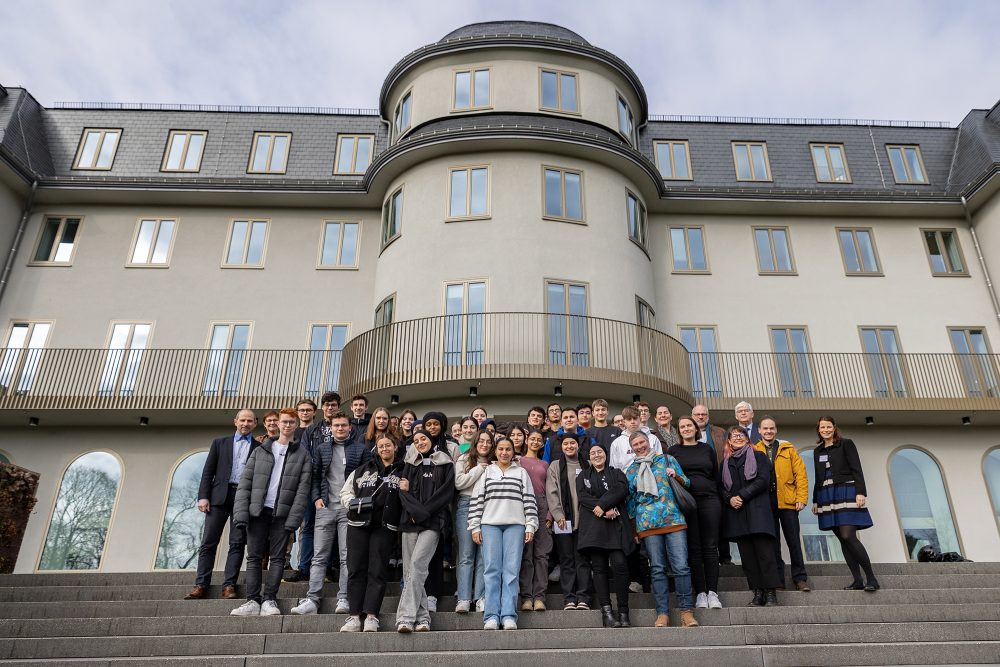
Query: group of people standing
x,y
566,495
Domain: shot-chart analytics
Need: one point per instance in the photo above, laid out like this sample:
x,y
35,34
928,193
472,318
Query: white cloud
x,y
921,59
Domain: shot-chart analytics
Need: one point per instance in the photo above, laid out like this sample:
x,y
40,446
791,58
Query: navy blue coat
x,y
356,453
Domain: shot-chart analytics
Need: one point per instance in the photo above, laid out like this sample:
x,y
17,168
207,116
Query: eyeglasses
x,y
737,436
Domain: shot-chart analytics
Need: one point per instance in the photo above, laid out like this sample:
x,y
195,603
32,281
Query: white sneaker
x,y
509,624
481,605
352,624
423,626
371,624
248,608
270,608
635,587
342,607
305,606
432,603
701,602
491,624
555,574
713,600
463,606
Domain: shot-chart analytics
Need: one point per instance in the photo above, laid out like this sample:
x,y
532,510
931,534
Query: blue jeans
x,y
470,556
502,547
306,534
670,547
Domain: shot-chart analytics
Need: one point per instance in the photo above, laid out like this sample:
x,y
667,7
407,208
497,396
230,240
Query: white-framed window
x,y
57,240
750,158
673,158
269,154
563,194
392,217
774,250
687,250
635,214
228,346
830,163
465,324
246,245
184,150
559,91
857,246
97,149
340,245
126,345
22,355
326,347
154,239
354,153
180,531
472,89
907,164
469,195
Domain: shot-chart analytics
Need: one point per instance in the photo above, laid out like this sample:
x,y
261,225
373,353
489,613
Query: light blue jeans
x,y
470,556
670,547
502,547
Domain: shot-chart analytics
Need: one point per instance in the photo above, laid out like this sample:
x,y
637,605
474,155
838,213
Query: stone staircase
x,y
925,614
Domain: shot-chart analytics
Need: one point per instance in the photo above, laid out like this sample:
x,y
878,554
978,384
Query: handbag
x,y
685,501
362,506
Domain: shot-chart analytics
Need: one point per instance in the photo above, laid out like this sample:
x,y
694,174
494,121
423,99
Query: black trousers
x,y
601,562
368,550
703,542
787,522
757,554
215,522
725,553
574,572
265,535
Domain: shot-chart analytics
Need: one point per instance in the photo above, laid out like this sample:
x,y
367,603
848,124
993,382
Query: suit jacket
x,y
845,464
718,442
754,434
218,466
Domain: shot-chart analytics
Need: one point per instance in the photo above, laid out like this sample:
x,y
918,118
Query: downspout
x,y
29,203
979,255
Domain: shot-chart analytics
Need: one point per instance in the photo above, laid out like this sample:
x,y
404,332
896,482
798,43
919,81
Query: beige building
x,y
511,224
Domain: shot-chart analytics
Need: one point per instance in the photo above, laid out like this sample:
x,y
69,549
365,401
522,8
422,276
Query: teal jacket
x,y
648,512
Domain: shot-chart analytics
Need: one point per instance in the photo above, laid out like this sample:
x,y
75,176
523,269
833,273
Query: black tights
x,y
854,552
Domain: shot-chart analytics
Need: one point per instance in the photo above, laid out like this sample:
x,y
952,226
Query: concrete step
x,y
218,607
522,640
233,625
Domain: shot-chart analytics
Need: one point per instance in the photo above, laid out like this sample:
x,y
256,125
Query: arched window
x,y
922,502
78,529
991,470
180,533
818,545
4,458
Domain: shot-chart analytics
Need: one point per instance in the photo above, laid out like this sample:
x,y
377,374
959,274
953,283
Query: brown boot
x,y
229,592
662,621
687,619
197,593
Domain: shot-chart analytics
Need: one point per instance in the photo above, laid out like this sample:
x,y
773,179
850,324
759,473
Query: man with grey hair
x,y
714,436
744,416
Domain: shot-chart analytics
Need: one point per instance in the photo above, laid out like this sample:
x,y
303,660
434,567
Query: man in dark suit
x,y
744,416
216,495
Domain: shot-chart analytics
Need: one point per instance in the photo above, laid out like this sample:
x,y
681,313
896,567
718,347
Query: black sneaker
x,y
295,576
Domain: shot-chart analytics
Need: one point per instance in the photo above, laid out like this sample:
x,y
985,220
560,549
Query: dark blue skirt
x,y
838,507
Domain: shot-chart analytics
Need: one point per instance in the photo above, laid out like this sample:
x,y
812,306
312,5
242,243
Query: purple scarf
x,y
749,466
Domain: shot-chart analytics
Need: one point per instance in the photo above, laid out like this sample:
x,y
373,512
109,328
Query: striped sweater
x,y
503,497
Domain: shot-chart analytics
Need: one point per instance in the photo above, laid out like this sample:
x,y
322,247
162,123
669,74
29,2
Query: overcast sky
x,y
914,60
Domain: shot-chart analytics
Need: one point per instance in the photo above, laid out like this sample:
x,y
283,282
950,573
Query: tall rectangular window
x,y
569,338
470,193
184,150
392,215
858,249
559,91
340,245
354,153
977,364
644,314
907,164
21,356
673,158
270,153
247,239
635,213
153,241
687,245
944,252
774,252
563,194
121,366
401,116
225,359
751,161
884,362
830,163
326,347
385,312
465,323
472,89
626,122
57,241
791,351
703,356
97,149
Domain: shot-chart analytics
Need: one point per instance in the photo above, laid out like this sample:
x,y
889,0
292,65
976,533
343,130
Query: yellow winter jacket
x,y
791,482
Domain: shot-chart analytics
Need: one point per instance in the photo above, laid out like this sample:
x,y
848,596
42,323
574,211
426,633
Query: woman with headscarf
x,y
564,506
435,425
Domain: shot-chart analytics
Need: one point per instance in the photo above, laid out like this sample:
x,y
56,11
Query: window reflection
x,y
180,534
819,545
922,502
991,470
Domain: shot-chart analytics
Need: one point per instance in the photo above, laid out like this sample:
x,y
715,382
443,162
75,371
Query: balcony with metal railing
x,y
443,355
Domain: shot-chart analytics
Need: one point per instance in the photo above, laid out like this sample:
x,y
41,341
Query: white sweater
x,y
503,497
621,455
